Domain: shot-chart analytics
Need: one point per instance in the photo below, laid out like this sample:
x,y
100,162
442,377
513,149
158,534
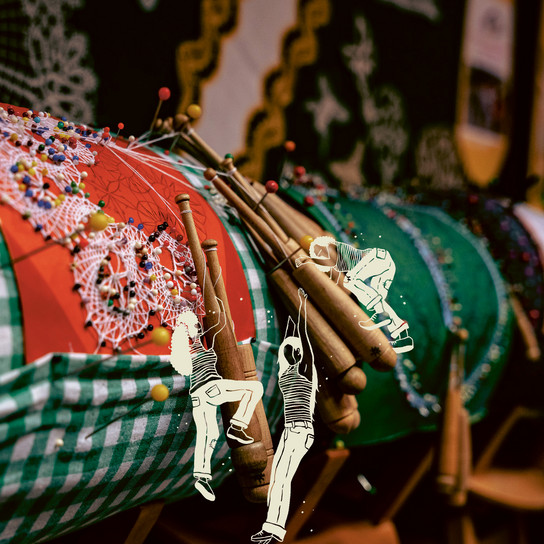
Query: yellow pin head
x,y
160,336
305,242
194,111
160,392
98,221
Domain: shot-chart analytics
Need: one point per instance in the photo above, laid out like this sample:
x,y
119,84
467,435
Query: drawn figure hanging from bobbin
x,y
209,390
297,380
369,274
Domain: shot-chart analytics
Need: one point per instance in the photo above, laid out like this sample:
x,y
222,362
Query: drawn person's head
x,y
187,328
292,350
190,321
320,251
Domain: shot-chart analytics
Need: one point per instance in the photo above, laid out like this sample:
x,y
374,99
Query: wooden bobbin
x,y
341,311
251,198
249,460
245,352
298,225
338,411
533,351
332,354
293,222
345,314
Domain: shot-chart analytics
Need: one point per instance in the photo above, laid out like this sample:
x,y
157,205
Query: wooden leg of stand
x,y
149,514
521,528
460,530
334,460
407,488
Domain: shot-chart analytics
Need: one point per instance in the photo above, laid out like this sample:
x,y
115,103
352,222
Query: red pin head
x,y
299,171
289,146
309,200
271,186
120,126
164,93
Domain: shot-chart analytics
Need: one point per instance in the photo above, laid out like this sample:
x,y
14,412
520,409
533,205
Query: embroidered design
x,y
325,111
197,60
266,125
126,277
54,77
437,163
382,109
425,8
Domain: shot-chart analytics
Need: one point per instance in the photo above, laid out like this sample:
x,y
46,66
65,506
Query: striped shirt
x,y
348,256
204,369
297,395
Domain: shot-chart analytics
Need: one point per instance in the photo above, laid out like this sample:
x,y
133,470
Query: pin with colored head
x,y
306,242
120,127
288,147
271,187
299,172
194,111
164,94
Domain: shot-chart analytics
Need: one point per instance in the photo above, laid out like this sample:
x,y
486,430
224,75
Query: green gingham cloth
x,y
47,490
11,336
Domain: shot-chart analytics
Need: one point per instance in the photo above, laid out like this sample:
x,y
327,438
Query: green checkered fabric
x,y
54,477
11,337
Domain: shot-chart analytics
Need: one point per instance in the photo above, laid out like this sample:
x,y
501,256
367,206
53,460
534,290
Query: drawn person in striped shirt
x,y
369,274
209,390
298,384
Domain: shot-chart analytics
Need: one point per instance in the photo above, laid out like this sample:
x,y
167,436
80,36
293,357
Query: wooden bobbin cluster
x,y
340,344
252,462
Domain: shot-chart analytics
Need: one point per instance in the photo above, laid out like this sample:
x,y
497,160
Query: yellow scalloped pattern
x,y
197,60
266,124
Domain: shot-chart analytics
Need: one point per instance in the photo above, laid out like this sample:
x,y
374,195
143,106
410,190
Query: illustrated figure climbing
x,y
209,390
369,274
298,384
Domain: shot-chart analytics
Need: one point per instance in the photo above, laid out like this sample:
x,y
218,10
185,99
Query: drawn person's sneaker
x,y
402,343
235,432
203,487
264,537
376,321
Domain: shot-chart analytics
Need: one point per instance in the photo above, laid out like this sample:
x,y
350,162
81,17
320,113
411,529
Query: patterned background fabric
x,y
366,90
324,74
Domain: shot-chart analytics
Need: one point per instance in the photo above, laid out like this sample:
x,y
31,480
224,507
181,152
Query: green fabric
x,y
48,490
472,284
11,335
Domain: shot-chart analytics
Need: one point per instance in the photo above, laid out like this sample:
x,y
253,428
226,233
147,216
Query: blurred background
x,y
367,90
438,102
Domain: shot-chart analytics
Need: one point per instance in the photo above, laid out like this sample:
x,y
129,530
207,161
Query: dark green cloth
x,y
410,397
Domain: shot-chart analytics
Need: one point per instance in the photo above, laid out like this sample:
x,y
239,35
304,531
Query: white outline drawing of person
x,y
209,390
298,384
369,274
